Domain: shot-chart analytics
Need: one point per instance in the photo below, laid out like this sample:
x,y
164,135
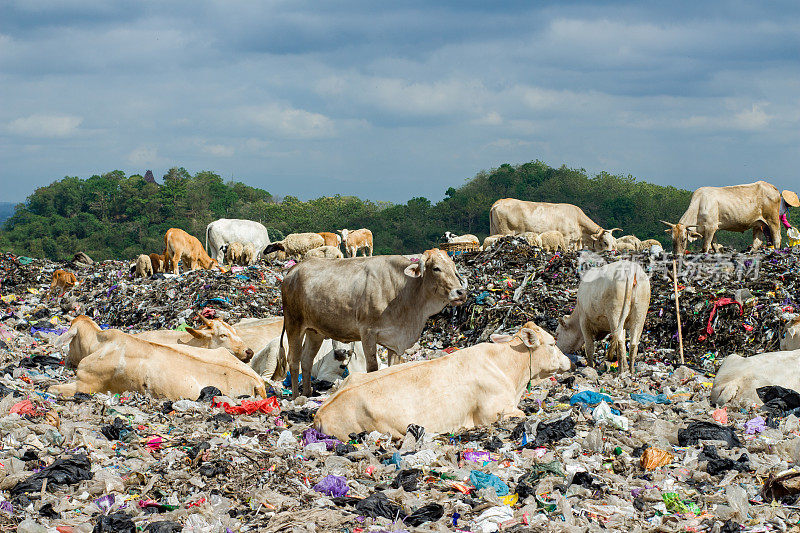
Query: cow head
x,y
439,276
220,334
681,236
569,337
604,239
547,357
344,233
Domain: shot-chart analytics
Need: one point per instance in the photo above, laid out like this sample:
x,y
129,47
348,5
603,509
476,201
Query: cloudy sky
x,y
389,100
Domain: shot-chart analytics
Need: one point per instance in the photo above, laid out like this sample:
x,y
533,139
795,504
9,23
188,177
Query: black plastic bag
x,y
47,511
213,469
198,448
163,527
697,431
417,431
41,360
427,513
552,432
730,527
778,400
114,523
117,430
221,418
718,465
585,480
492,444
300,415
207,393
407,479
377,505
62,472
166,408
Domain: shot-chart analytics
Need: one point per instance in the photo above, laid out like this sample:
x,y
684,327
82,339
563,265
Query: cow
x,y
467,238
217,334
249,254
227,230
296,244
377,300
631,239
81,338
233,252
179,245
144,267
612,298
532,238
509,216
736,208
256,334
324,252
122,362
331,239
739,377
158,263
791,339
360,239
553,241
472,387
62,281
489,241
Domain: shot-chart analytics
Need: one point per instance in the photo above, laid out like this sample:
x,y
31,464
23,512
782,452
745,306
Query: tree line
x,y
114,216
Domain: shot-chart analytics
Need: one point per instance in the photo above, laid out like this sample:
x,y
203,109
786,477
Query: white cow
x,y
227,230
739,377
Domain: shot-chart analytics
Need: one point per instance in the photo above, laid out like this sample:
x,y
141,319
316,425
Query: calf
x,y
144,267
378,300
179,245
122,362
324,252
612,298
330,239
218,334
739,377
360,239
791,339
472,387
62,281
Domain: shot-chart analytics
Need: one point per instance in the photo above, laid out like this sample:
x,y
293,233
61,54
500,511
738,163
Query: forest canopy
x,y
114,216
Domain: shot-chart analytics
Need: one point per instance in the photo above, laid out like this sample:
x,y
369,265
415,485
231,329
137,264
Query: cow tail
x,y
630,282
281,351
206,248
493,229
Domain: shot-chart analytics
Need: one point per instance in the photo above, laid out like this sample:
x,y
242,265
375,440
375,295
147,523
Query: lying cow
x,y
791,339
612,298
219,334
737,208
82,339
739,377
465,389
123,363
469,238
179,245
256,334
62,281
382,300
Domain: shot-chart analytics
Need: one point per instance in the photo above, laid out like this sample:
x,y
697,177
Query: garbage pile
x,y
596,452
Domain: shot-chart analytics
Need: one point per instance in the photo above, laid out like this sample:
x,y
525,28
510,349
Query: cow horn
x,y
206,321
613,230
667,223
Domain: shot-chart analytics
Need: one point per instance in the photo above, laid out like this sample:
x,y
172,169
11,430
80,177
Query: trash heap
x,y
596,452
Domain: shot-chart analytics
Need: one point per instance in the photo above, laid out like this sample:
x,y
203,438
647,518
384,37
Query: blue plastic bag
x,y
482,479
590,398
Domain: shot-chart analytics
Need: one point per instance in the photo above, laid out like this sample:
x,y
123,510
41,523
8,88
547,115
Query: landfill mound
x,y
596,452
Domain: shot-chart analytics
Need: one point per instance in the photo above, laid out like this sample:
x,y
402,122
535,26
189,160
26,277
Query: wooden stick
x,y
677,308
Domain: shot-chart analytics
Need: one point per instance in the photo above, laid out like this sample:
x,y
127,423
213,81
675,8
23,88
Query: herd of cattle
x,y
337,311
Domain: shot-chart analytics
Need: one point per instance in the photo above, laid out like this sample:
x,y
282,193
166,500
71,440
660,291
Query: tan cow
x,y
613,299
324,252
82,339
469,238
257,334
217,334
296,244
791,339
360,239
158,263
144,267
382,300
509,216
736,208
179,245
123,363
472,387
62,281
331,239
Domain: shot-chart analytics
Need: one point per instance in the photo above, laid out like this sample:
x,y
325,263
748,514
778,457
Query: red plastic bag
x,y
266,406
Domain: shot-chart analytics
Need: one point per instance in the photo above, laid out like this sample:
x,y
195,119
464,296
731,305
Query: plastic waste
x,y
332,485
114,523
489,520
653,458
407,479
755,425
286,440
207,393
589,398
427,513
163,526
62,472
646,399
378,505
603,413
482,480
697,431
718,465
552,432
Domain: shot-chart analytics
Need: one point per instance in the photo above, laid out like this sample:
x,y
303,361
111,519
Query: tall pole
x,y
677,308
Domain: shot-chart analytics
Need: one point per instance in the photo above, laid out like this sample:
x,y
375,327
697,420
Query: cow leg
x,y
295,341
369,341
310,348
393,358
370,250
709,232
758,237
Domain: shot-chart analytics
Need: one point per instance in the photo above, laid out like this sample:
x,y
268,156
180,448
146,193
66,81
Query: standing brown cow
x,y
331,239
180,245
